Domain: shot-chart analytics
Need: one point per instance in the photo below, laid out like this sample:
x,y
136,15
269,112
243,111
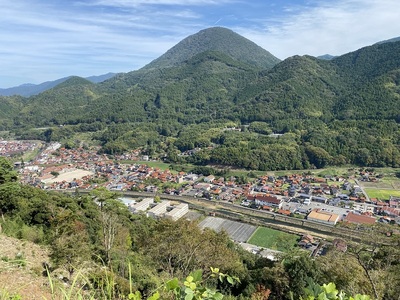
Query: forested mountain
x,y
29,89
338,111
216,39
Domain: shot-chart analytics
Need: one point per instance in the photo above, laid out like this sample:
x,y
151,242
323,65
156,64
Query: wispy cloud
x,y
334,27
45,40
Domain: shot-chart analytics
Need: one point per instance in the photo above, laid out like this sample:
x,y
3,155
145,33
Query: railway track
x,y
262,218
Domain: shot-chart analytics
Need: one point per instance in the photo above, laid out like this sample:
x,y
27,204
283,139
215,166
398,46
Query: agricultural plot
x,y
237,231
382,194
273,239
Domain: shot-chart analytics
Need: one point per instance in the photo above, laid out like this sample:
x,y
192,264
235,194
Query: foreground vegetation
x,y
97,236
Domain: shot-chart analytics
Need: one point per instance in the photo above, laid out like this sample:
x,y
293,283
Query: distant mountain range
x,y
29,89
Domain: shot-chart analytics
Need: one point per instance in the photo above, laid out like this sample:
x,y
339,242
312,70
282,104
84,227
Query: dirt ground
x,y
24,279
68,176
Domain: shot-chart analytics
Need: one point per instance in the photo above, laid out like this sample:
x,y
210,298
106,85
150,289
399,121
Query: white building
x,y
142,205
159,210
177,212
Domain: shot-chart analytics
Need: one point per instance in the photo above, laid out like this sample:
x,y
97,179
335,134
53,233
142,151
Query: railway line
x,y
261,218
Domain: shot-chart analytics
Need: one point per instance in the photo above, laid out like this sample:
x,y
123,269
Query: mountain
x,y
338,111
216,39
29,89
100,78
326,56
396,39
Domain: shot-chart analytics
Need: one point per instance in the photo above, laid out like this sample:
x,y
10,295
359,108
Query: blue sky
x,y
45,40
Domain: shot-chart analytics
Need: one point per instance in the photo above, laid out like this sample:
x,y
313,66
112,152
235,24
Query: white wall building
x,y
159,210
142,205
177,212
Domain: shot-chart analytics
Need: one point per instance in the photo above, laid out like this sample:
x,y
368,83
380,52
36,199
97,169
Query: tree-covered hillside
x,y
328,112
216,39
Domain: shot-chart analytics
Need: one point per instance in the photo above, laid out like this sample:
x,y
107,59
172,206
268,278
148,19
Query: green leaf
x,y
230,279
330,288
189,278
192,286
218,296
172,284
214,270
189,294
155,296
197,275
135,296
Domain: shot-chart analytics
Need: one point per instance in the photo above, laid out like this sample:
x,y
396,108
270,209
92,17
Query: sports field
x,y
273,239
69,176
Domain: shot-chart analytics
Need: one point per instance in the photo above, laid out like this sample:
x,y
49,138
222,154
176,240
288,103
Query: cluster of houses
x,y
268,192
10,148
271,193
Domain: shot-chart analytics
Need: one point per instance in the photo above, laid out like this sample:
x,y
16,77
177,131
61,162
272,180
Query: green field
x,y
382,194
273,239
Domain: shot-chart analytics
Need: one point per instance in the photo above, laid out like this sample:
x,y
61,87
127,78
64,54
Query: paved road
x,y
362,190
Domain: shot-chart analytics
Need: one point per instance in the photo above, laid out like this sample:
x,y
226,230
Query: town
x,y
327,200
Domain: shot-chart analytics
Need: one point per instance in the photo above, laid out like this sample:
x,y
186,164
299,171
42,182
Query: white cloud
x,y
43,40
334,27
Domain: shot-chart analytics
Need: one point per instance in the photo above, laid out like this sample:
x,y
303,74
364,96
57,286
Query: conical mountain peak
x,y
216,39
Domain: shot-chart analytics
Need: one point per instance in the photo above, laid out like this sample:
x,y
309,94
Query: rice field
x,y
382,195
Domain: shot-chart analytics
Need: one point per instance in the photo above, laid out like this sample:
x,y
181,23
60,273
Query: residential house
x,y
359,219
267,200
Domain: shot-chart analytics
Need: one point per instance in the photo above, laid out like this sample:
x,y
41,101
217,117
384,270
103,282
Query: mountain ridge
x,y
30,89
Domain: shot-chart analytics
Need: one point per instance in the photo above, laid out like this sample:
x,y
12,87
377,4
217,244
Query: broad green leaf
x,y
197,275
330,288
172,284
218,296
230,279
135,296
192,286
155,296
189,294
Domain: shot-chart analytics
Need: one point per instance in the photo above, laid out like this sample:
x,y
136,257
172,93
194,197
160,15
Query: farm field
x,y
382,194
273,239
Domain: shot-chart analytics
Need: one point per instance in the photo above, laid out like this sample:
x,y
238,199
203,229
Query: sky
x,y
43,40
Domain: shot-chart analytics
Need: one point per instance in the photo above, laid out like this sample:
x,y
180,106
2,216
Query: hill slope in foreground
x,y
23,277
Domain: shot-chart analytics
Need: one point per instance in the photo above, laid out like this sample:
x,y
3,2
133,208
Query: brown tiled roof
x,y
316,214
359,219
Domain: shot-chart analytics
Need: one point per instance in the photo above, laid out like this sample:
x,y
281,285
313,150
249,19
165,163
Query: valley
x,y
304,145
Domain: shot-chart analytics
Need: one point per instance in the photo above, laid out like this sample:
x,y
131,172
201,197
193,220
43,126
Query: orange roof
x,y
359,219
323,216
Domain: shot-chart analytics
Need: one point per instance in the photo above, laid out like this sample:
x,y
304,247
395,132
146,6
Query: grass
x,y
382,194
273,239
